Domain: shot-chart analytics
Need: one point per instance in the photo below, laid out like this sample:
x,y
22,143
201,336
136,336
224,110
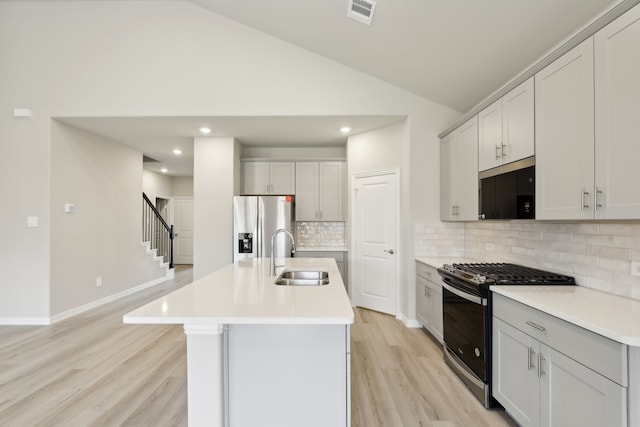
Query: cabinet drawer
x,y
427,271
605,356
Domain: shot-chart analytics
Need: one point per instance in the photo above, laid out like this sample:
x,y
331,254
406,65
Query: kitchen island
x,y
259,353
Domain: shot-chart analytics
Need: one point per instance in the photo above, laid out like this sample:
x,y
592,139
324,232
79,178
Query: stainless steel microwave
x,y
508,191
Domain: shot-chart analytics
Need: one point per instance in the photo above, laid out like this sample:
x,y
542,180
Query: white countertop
x,y
244,293
609,315
439,261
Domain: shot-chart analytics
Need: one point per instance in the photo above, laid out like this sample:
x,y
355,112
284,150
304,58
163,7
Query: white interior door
x,y
375,225
183,230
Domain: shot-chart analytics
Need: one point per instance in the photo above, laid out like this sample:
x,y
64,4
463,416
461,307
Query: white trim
x,y
25,321
409,323
77,310
352,243
203,328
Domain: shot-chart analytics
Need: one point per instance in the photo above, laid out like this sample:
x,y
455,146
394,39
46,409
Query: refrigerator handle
x,y
259,239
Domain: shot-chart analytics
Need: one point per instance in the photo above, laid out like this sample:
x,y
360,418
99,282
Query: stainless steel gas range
x,y
467,316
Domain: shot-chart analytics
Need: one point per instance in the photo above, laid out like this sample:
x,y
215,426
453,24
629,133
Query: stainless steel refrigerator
x,y
255,219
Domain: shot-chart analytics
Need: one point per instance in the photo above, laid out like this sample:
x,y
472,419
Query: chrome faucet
x,y
272,271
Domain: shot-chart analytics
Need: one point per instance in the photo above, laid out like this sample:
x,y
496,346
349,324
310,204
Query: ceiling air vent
x,y
361,10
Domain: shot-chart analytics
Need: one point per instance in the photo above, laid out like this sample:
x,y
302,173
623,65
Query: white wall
x,y
182,186
156,185
294,153
138,58
216,161
102,238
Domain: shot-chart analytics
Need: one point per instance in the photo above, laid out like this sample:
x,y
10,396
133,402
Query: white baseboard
x,y
409,323
25,321
77,310
102,301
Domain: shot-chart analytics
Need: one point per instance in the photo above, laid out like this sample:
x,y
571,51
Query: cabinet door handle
x,y
504,152
598,205
498,154
530,354
390,251
540,360
535,325
583,205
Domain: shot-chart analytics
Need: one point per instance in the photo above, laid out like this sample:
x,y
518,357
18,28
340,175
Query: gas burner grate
x,y
513,274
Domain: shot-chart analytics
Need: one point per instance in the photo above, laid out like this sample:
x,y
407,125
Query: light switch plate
x,y
32,221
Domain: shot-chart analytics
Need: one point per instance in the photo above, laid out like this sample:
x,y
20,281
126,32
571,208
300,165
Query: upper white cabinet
x,y
584,173
564,120
268,178
319,191
506,128
617,118
459,163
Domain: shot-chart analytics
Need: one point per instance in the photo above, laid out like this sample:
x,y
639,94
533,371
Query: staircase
x,y
157,235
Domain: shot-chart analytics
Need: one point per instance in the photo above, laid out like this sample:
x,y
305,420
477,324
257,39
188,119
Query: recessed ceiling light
x,y
177,151
345,129
164,170
205,130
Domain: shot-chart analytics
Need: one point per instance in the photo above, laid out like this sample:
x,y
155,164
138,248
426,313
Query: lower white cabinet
x,y
548,372
429,299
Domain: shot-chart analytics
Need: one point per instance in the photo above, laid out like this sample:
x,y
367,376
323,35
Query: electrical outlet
x,y
98,281
489,246
635,268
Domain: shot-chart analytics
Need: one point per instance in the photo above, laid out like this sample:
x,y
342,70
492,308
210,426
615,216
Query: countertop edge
x,y
237,321
581,321
342,249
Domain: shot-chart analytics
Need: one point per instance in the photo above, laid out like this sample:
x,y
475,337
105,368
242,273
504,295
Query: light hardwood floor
x,y
93,370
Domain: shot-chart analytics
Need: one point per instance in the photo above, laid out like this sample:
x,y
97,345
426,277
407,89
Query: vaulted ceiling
x,y
454,52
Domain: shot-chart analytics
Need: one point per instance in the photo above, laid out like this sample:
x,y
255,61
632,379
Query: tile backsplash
x,y
321,235
597,254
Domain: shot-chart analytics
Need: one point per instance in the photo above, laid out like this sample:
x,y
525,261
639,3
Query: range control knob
x,y
480,278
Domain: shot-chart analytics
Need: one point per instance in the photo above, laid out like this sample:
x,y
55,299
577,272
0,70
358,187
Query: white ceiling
x,y
454,52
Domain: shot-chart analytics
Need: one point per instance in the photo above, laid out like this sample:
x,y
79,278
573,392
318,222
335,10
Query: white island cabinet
x,y
259,353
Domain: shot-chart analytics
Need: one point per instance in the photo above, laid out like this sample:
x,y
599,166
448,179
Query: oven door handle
x,y
473,298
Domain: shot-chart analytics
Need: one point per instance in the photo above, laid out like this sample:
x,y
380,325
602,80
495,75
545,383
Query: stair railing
x,y
156,231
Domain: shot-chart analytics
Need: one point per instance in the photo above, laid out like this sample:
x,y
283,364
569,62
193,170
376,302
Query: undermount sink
x,y
302,278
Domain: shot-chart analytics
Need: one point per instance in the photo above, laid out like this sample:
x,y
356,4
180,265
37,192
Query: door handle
x,y
390,251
